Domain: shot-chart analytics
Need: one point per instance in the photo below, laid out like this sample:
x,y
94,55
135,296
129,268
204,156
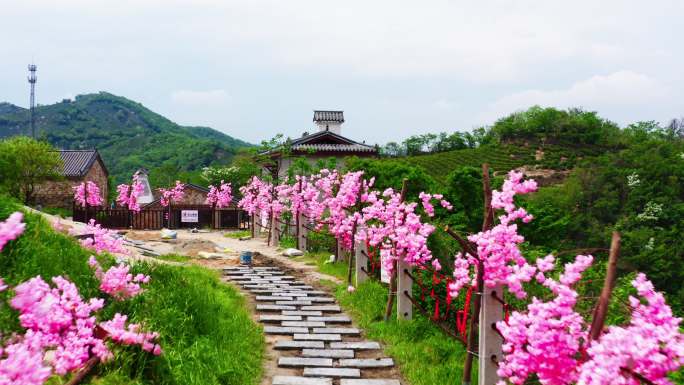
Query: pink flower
x,y
221,196
87,193
11,228
351,289
117,281
174,194
128,195
102,239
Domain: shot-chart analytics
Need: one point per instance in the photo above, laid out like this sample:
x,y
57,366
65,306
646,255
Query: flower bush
x,y
87,193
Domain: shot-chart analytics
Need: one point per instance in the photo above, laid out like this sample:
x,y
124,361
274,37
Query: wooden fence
x,y
157,218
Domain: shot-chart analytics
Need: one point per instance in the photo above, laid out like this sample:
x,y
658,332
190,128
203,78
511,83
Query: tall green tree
x,y
24,164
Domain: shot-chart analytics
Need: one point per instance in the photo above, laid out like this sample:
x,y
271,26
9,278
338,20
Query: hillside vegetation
x,y
127,134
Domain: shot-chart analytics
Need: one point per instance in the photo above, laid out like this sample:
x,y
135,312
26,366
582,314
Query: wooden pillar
x,y
339,250
361,261
489,350
404,287
301,232
253,224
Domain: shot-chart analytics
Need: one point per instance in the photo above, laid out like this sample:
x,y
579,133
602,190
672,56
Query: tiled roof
x,y
335,147
328,116
77,162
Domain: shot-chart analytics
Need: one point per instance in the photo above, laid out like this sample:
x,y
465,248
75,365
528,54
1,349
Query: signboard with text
x,y
189,216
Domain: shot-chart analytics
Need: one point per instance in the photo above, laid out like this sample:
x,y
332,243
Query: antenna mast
x,y
32,79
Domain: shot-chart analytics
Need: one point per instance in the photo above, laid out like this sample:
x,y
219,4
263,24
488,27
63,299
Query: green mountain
x,y
127,134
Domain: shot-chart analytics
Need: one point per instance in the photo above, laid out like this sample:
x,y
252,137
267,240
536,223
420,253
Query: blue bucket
x,y
246,258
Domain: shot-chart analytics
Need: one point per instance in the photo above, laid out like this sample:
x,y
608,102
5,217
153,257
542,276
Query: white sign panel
x,y
191,216
384,275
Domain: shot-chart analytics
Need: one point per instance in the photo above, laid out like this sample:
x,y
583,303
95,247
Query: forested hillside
x,y
127,134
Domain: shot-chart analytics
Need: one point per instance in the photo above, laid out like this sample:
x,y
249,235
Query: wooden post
x,y
489,351
301,232
274,231
393,278
339,252
361,261
477,300
404,287
253,224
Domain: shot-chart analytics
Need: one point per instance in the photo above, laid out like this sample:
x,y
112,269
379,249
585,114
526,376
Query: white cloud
x,y
200,98
619,91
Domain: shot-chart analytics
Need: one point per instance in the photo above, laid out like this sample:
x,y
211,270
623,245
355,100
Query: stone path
x,y
313,338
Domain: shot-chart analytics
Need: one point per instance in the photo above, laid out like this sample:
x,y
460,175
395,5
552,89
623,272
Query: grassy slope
x,y
206,331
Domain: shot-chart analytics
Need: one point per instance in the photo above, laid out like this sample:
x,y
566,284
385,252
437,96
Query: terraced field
x,y
500,159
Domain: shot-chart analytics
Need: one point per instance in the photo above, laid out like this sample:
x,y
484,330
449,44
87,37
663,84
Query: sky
x,y
397,68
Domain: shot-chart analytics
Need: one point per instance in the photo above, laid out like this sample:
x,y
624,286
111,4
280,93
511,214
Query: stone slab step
x,y
334,308
330,353
290,345
375,381
301,312
274,298
279,318
350,331
303,324
332,319
295,380
332,372
288,294
298,362
322,299
282,301
304,336
276,308
367,363
286,330
358,345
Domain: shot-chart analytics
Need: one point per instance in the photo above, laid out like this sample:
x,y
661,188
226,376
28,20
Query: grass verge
x,y
238,234
424,354
320,260
206,332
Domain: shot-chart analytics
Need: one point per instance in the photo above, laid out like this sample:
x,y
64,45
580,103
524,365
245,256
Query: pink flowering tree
x,y
62,332
127,195
87,194
220,196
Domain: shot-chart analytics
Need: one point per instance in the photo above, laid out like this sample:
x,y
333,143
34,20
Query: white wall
x,y
335,127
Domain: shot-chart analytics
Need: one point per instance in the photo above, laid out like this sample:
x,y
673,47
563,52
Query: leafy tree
x,y
391,173
26,163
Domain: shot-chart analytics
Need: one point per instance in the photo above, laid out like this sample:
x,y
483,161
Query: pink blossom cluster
x,y
220,196
174,194
58,319
102,239
87,193
11,228
22,364
395,227
117,281
651,345
548,339
498,247
128,194
130,334
429,208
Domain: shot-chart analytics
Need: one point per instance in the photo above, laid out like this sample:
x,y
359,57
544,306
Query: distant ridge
x,y
127,134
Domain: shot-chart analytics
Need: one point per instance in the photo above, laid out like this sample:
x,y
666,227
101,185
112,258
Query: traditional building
x,y
327,142
78,166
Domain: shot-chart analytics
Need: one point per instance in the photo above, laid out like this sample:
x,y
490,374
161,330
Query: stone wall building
x,y
192,195
78,166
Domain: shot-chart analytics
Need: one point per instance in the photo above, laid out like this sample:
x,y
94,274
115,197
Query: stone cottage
x,y
78,166
193,195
